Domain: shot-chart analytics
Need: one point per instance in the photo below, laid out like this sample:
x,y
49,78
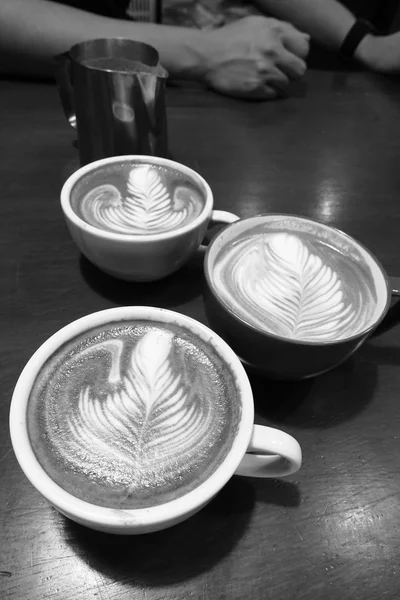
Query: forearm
x,y
32,32
327,21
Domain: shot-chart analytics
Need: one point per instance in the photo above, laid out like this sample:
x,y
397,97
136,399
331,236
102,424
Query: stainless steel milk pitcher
x,y
113,92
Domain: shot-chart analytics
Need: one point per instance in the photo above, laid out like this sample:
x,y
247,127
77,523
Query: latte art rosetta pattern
x,y
283,286
147,423
148,207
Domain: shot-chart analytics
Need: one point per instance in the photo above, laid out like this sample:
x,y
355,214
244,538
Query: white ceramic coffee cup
x,y
274,453
141,257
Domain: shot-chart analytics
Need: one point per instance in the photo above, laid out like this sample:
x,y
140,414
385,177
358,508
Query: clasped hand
x,y
255,57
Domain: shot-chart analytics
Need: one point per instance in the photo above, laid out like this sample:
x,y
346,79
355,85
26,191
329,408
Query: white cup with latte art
x,y
293,297
138,218
131,419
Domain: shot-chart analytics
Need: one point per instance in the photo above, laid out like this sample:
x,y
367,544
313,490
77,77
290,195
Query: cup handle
x,y
395,283
392,317
220,216
274,453
64,84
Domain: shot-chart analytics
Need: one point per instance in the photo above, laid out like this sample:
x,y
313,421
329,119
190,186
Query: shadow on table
x,y
277,492
319,403
384,355
175,554
185,550
179,288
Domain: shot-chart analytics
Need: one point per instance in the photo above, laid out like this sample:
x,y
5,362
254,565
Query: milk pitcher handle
x,y
65,88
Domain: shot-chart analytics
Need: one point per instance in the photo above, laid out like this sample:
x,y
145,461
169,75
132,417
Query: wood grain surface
x,y
330,151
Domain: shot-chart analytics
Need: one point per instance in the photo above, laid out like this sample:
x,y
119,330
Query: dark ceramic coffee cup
x,y
293,297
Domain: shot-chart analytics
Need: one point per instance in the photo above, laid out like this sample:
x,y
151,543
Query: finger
x,y
264,92
278,81
268,93
295,41
290,64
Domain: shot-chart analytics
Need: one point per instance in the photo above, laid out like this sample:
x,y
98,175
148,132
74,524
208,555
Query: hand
x,y
380,53
255,57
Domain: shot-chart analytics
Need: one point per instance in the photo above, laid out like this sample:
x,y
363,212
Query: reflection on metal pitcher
x,y
113,92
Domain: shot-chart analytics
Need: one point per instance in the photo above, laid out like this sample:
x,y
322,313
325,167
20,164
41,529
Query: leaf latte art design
x,y
147,207
140,428
281,285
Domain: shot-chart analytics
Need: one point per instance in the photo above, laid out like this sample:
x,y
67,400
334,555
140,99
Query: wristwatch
x,y
357,33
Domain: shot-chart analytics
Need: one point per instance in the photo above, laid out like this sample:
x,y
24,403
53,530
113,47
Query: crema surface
x,y
133,414
295,285
136,199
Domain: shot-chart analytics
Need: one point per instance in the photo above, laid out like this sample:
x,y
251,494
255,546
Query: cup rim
x,y
297,342
150,518
72,217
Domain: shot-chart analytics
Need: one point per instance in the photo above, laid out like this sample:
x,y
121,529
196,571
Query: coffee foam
x,y
133,416
295,283
136,199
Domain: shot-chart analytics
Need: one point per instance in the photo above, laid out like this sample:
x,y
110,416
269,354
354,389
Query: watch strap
x,y
358,31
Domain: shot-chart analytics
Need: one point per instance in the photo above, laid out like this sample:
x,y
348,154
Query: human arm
x,y
255,57
32,32
328,22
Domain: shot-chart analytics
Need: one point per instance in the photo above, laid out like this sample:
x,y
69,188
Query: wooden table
x,y
332,531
